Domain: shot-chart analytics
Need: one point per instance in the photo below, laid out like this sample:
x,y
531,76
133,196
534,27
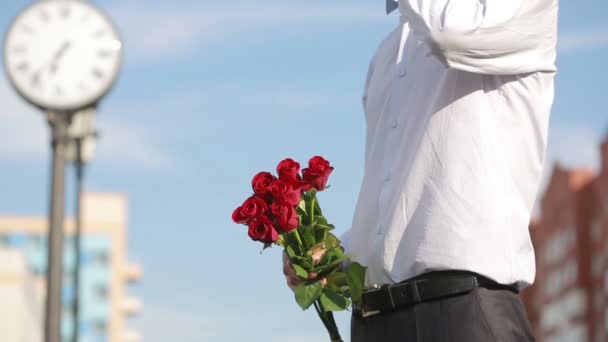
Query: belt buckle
x,y
364,312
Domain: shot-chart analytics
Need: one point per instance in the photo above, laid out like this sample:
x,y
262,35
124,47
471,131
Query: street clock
x,y
62,55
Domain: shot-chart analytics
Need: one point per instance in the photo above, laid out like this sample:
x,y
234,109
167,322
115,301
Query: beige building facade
x,y
105,269
21,308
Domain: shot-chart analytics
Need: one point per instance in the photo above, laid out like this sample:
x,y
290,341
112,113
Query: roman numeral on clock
x,y
98,73
23,66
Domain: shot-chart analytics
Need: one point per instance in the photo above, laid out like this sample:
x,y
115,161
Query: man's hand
x,y
290,274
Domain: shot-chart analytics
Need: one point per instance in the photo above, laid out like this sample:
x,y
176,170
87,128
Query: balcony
x,y
131,306
132,272
131,336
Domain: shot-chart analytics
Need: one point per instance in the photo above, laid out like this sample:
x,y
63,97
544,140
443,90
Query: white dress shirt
x,y
457,103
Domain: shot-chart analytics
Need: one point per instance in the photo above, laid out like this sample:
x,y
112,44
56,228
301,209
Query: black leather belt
x,y
425,287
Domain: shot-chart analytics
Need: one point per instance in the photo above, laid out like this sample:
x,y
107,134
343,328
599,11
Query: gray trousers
x,y
482,315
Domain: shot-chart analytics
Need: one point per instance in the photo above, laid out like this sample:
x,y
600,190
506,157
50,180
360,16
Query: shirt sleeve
x,y
499,37
344,239
344,242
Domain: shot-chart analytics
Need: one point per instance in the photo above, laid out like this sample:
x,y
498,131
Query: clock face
x,y
62,55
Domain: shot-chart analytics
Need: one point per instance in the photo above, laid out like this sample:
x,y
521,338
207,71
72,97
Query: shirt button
x,y
402,72
394,124
387,178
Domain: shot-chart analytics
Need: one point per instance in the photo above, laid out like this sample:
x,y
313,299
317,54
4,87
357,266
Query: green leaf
x,y
333,301
300,271
321,219
302,204
328,268
308,238
355,276
337,281
290,252
305,262
321,228
306,293
331,241
327,227
332,254
290,241
318,209
330,261
310,198
320,234
266,246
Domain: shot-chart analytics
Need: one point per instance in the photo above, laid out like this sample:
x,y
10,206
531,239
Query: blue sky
x,y
211,93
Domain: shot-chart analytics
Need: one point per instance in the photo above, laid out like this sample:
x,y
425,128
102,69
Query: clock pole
x,y
42,80
59,123
82,136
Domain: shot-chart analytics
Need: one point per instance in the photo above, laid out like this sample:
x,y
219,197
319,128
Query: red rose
x,y
317,173
286,215
238,217
253,207
286,192
288,169
262,229
261,183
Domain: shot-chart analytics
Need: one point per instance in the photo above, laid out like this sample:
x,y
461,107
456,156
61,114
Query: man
x,y
457,103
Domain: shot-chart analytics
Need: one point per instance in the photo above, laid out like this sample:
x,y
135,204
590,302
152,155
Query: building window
x,y
561,278
597,265
68,277
85,258
101,258
68,294
571,271
99,328
596,231
559,312
599,335
101,292
559,245
17,241
599,300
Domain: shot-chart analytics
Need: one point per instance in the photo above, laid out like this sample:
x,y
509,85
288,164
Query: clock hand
x,y
52,65
58,55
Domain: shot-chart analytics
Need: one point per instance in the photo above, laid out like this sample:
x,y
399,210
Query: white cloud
x,y
124,143
23,129
156,32
582,40
24,136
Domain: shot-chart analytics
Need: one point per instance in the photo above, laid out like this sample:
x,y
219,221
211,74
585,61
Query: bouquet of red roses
x,y
285,211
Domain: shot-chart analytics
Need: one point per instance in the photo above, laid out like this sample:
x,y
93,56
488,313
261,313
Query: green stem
x,y
328,320
312,209
297,235
321,315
